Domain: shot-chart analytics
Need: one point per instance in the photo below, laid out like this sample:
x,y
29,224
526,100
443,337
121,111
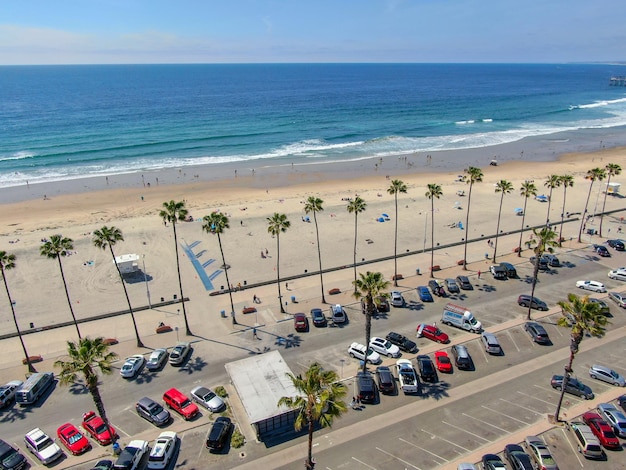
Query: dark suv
x,y
386,380
426,368
537,332
511,272
526,300
219,433
574,386
404,343
11,458
149,409
365,387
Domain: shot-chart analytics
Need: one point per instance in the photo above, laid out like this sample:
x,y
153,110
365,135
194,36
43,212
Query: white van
x,y
33,388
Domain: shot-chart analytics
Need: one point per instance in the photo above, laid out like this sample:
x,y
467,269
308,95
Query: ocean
x,y
68,122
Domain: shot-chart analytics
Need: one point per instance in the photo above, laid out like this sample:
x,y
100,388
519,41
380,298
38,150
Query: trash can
x,y
293,299
116,449
223,313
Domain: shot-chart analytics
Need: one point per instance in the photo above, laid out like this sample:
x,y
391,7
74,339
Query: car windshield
x,y
74,438
473,321
101,428
370,351
614,374
156,410
444,359
387,344
46,442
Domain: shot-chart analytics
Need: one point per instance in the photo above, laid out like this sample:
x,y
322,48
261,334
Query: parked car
x,y
606,374
179,402
525,300
437,288
404,343
432,333
132,366
385,379
601,250
537,332
604,307
574,387
157,359
97,429
617,244
492,462
382,304
42,446
426,368
358,351
396,299
103,465
552,260
614,417
618,298
365,387
622,401
407,376
442,361
318,317
385,347
490,343
179,354
466,466
516,456
585,440
618,274
219,433
7,392
593,286
152,411
207,398
338,314
11,458
131,455
162,451
73,439
511,272
602,430
300,322
424,294
451,285
497,271
540,453
462,358
464,283
543,263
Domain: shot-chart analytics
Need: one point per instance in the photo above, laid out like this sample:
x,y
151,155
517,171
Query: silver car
x,y
540,453
207,398
605,374
614,417
179,353
157,359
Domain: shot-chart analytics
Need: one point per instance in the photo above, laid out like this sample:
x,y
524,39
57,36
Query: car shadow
x,y
413,305
14,413
487,288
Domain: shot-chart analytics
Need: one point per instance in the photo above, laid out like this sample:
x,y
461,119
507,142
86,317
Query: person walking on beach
x,y
479,274
254,335
254,298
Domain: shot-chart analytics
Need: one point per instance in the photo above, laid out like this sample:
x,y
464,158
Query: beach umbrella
x,y
385,215
380,219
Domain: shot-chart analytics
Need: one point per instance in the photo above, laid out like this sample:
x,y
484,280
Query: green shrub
x,y
238,440
221,392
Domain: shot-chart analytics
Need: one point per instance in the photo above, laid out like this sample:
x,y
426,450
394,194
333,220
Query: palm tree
x,y
314,204
582,317
528,189
552,181
172,212
319,401
397,186
58,246
278,224
356,206
544,240
7,262
503,187
612,169
472,175
369,286
567,181
85,359
434,191
216,223
108,237
592,175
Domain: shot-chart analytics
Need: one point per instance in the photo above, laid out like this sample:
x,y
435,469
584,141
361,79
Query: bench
x,y
32,359
334,291
248,310
163,329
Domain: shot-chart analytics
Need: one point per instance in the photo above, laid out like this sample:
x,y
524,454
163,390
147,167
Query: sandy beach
x,y
74,209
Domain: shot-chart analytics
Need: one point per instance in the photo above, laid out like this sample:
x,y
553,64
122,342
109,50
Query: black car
x,y
537,332
511,272
543,263
518,459
601,250
382,304
552,260
103,465
525,300
622,401
436,288
404,343
365,387
427,370
492,462
219,433
604,307
318,317
617,244
574,386
462,358
11,458
464,283
386,380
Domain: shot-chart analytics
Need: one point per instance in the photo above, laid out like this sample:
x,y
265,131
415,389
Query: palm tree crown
x,y
528,189
612,169
278,224
471,175
434,192
503,187
314,205
356,206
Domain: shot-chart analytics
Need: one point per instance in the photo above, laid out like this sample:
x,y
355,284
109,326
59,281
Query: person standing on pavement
x,y
254,335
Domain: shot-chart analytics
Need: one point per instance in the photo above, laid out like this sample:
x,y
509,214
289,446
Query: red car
x,y
94,425
72,438
442,361
602,430
432,332
300,322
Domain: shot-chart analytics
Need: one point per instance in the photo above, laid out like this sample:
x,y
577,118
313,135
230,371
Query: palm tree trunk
x,y
521,233
469,202
97,399
230,292
432,235
568,370
280,295
549,204
369,306
608,182
130,308
355,238
495,248
309,464
532,291
67,294
395,247
563,215
583,217
180,282
319,256
31,368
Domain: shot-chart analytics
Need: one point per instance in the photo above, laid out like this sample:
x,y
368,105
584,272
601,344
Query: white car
x,y
132,366
357,351
7,392
396,299
593,286
157,359
42,446
614,417
382,346
407,376
619,274
131,456
207,398
162,450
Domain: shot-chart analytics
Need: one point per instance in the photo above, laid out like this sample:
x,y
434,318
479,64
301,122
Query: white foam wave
x,y
598,104
18,156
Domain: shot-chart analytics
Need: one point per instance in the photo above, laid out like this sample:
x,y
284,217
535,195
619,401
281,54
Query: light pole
x,y
145,278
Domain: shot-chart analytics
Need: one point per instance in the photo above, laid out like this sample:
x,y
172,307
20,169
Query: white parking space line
x,y
362,463
534,397
488,424
520,406
434,436
508,332
120,429
504,414
397,458
465,430
422,449
574,450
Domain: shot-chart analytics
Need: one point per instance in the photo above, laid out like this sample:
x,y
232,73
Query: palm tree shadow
x,y
529,280
438,390
137,277
487,288
11,415
195,365
568,264
78,388
225,344
144,377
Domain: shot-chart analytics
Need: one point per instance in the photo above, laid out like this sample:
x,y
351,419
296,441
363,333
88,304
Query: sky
x,y
287,31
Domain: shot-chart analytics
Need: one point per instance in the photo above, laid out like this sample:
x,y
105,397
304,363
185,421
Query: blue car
x,y
424,294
